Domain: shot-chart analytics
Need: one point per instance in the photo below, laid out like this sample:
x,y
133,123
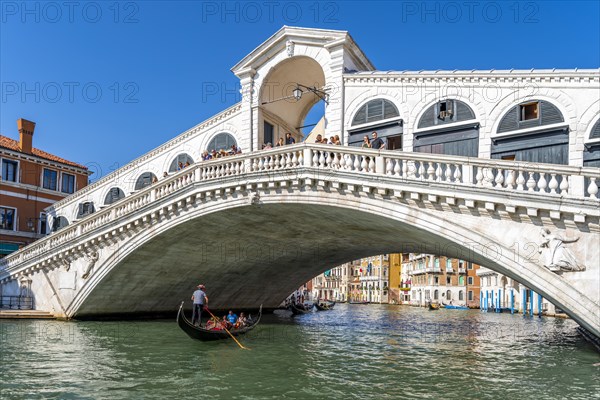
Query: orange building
x,y
31,180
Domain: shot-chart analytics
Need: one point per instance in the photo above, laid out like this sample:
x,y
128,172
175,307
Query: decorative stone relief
x,y
558,257
66,263
289,46
91,260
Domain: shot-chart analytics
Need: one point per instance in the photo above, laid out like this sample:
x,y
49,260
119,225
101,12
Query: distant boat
x,y
324,306
207,334
358,302
451,307
433,306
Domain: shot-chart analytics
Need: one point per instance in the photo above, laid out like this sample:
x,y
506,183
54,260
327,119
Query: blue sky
x,y
107,81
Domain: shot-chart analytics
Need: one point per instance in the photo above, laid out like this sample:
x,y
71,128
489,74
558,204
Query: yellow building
x,y
395,261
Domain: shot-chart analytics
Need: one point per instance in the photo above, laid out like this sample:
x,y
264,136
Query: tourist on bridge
x,y
200,301
280,142
377,143
366,143
289,139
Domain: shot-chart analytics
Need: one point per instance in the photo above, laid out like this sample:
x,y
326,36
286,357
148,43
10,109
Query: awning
x,y
7,248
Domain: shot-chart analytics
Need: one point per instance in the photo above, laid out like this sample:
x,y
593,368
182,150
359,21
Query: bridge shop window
x,y
180,162
113,195
222,141
533,131
144,180
378,115
8,218
85,208
58,223
461,138
10,170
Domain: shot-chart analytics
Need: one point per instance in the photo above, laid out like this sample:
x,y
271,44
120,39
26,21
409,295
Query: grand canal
x,y
354,351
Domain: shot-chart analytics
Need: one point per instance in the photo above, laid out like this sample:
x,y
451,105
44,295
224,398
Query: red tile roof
x,y
12,144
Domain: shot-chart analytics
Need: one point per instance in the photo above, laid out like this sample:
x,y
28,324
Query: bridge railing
x,y
16,302
540,179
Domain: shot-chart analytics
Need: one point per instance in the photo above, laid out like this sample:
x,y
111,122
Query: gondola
x,y
300,311
433,306
207,335
358,302
324,306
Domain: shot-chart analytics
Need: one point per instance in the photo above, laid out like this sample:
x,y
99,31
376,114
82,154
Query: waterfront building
x,y
374,279
500,293
396,292
33,179
440,279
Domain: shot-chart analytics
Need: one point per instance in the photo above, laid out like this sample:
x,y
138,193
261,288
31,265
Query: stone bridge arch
x,y
153,270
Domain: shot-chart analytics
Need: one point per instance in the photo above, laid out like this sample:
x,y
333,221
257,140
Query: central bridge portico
x,y
253,227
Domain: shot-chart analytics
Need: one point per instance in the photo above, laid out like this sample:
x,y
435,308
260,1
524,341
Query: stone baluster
x,y
228,169
389,167
510,179
430,171
448,173
364,165
357,162
542,183
276,161
457,173
295,161
315,159
272,162
397,167
479,176
553,184
592,188
372,165
499,178
421,170
261,164
520,181
564,185
530,183
438,172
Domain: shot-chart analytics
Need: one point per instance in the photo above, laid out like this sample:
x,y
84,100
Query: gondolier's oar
x,y
233,337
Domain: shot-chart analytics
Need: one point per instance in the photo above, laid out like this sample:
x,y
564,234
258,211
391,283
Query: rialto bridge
x,y
510,184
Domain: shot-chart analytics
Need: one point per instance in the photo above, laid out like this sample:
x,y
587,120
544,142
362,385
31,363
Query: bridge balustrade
x,y
16,302
538,179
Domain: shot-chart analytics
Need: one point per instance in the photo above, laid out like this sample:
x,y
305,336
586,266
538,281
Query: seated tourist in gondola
x,y
232,318
225,324
242,321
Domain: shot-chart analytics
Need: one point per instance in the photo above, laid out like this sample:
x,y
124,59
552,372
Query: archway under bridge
x,y
257,254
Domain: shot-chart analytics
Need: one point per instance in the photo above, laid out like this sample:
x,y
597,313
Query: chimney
x,y
25,135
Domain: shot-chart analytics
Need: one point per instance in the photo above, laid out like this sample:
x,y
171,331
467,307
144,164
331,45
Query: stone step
x,y
25,314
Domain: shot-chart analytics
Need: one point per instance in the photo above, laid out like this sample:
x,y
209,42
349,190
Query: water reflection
x,y
383,352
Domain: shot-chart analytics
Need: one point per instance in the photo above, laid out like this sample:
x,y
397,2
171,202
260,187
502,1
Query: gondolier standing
x,y
200,301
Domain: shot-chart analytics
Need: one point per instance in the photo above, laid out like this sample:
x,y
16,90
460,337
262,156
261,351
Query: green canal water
x,y
351,352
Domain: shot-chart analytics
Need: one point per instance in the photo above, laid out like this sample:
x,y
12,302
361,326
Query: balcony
x,y
462,270
449,270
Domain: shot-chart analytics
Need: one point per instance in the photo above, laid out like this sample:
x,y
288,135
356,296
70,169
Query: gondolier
x,y
200,301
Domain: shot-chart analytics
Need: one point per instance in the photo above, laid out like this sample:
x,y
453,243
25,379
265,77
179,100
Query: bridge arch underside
x,y
249,255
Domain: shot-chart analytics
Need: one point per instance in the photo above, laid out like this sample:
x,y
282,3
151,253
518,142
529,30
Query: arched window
x,y
85,208
222,141
375,110
59,223
114,194
457,139
537,143
448,295
435,294
144,180
595,132
180,159
445,112
460,295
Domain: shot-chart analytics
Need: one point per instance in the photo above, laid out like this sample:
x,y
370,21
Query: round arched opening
x,y
287,95
180,162
145,179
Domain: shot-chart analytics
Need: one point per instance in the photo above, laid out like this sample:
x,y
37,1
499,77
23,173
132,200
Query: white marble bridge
x,y
254,227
